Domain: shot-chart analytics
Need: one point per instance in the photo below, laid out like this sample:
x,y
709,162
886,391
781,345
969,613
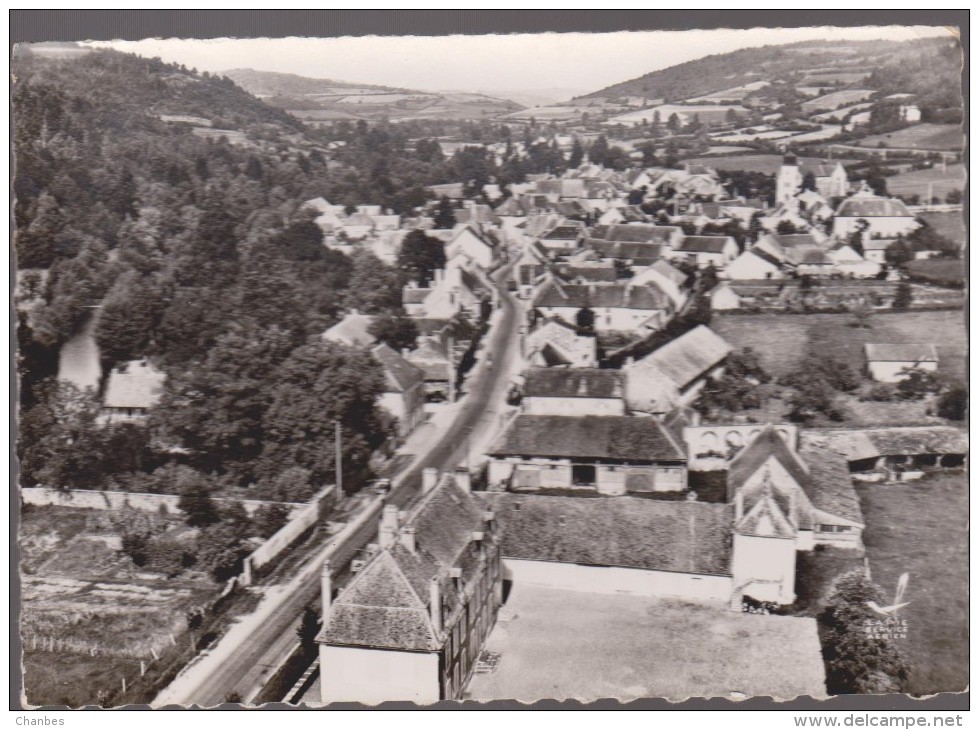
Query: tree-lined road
x,y
246,657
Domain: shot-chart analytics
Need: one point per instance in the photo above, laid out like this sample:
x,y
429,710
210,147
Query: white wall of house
x,y
705,443
724,298
371,676
538,406
603,579
835,531
750,266
612,319
610,479
770,563
891,372
881,226
469,244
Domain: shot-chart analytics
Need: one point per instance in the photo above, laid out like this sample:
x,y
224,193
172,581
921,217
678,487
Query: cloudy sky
x,y
514,62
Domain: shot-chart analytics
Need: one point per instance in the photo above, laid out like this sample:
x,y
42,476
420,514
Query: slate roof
x,y
630,532
872,207
573,383
871,443
640,253
386,605
808,256
589,271
689,356
401,375
634,233
626,438
703,244
563,233
901,353
790,240
135,384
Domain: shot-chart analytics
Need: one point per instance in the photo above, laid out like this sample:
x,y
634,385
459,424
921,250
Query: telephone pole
x,y
338,458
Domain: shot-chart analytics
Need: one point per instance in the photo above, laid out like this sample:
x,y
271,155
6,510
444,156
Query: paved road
x,y
247,656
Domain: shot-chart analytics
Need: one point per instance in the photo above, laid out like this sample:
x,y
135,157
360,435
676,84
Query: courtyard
x,y
573,645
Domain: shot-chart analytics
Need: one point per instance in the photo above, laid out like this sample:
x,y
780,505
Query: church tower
x,y
789,180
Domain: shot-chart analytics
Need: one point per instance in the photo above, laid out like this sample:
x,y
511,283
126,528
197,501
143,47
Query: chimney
x,y
464,480
389,526
435,605
326,588
430,477
407,538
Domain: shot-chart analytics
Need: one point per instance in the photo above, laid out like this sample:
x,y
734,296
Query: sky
x,y
585,61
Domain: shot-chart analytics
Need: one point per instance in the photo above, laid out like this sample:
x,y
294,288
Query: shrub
x,y
882,392
917,384
953,402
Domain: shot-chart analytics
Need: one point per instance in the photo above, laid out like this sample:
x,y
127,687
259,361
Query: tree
x,y
308,629
420,256
577,154
598,151
300,241
398,331
673,123
222,551
786,228
199,508
812,398
916,384
858,660
128,318
319,383
585,320
269,519
445,216
809,181
953,403
903,296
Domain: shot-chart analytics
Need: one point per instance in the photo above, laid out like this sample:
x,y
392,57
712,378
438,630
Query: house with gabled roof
x,y
564,239
410,625
353,330
891,363
132,389
403,393
482,247
674,374
611,455
755,263
556,343
669,236
880,217
435,359
573,392
704,251
617,307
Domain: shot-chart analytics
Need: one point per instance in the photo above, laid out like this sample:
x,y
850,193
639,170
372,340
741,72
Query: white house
x,y
788,181
615,307
479,247
755,263
412,622
890,363
674,374
133,388
403,394
879,217
704,251
556,343
352,330
573,392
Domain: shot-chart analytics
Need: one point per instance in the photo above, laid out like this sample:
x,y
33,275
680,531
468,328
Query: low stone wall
x,y
142,501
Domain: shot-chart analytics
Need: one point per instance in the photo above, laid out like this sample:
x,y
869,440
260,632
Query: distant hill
x,y
319,101
270,83
928,68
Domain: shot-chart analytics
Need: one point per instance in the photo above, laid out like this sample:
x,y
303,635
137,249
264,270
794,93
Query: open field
x,y
571,645
780,339
921,528
767,164
836,99
951,225
88,611
915,182
920,137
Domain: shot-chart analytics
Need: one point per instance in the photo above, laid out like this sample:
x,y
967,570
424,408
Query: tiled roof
x,y
704,244
598,272
672,273
573,383
353,328
808,255
689,356
901,353
640,253
624,438
830,487
635,233
386,605
135,384
400,374
872,207
563,233
630,532
750,459
871,443
790,240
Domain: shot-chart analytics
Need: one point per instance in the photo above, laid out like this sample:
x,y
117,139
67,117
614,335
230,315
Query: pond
x,y
78,361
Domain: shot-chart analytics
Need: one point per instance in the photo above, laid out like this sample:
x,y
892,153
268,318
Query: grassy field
x,y
780,339
915,182
88,612
576,645
767,164
919,137
921,528
938,271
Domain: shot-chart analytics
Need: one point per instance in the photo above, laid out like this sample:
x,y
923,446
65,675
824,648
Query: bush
x,y
858,661
881,392
917,384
